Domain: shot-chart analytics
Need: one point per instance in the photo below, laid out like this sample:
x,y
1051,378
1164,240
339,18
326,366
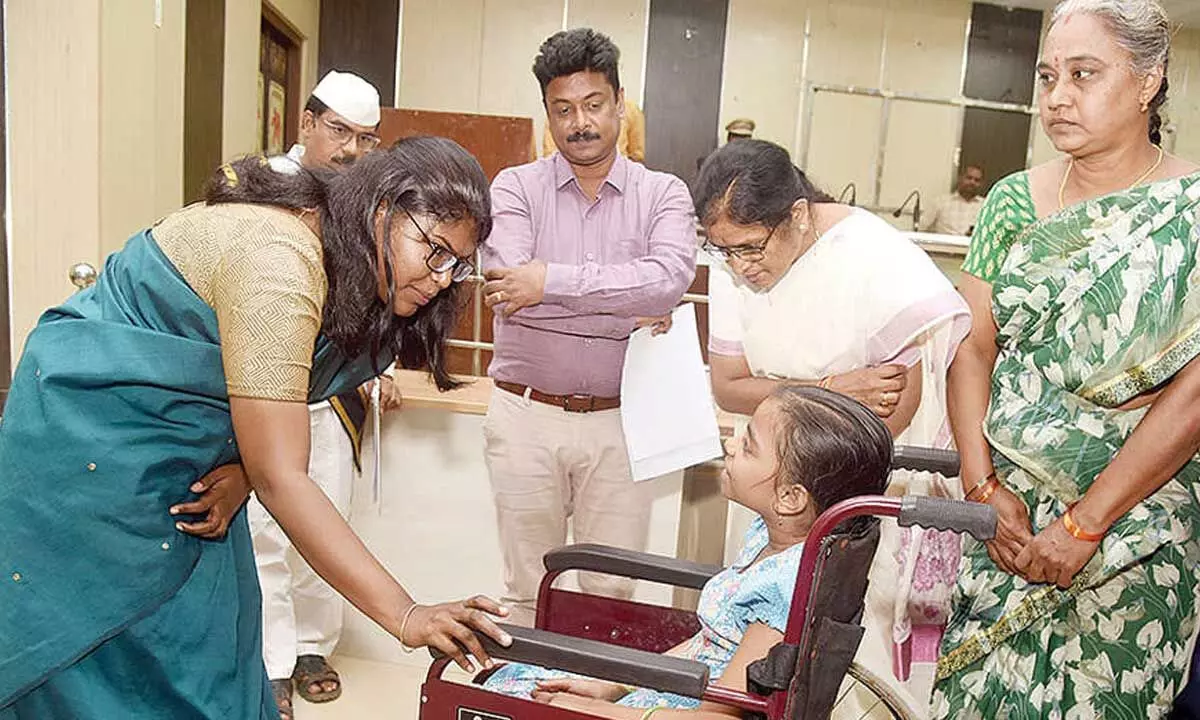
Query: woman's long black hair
x,y
427,176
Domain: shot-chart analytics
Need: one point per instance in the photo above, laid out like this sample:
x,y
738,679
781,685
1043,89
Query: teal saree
x,y
117,405
1095,306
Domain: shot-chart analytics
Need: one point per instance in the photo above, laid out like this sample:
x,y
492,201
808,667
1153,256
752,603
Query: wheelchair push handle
x,y
942,462
976,519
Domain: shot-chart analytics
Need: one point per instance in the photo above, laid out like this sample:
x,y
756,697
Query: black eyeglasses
x,y
748,252
441,259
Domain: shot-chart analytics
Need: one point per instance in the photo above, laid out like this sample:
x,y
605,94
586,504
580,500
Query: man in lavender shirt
x,y
586,246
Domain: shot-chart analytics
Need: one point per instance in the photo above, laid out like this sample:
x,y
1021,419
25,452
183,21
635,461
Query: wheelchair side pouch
x,y
833,648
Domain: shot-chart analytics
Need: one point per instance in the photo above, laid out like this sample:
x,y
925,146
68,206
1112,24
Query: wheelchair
x,y
807,676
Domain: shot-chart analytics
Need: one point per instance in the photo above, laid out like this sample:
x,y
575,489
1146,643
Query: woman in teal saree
x,y
199,346
1075,402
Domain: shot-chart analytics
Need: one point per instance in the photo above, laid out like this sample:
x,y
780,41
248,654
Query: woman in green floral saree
x,y
1075,402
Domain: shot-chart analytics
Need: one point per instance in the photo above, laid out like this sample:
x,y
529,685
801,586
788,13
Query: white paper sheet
x,y
666,401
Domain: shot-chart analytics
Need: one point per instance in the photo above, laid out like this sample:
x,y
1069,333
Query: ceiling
x,y
1182,12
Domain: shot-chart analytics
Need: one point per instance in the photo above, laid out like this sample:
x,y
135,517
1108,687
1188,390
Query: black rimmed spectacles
x,y
747,252
440,259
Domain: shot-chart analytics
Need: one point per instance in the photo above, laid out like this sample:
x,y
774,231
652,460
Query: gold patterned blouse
x,y
260,269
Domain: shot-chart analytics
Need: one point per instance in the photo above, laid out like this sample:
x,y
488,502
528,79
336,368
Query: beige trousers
x,y
547,465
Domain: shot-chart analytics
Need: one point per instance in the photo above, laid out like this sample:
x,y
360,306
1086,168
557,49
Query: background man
x,y
955,214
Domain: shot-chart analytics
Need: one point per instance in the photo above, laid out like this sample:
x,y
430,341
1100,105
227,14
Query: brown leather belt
x,y
570,403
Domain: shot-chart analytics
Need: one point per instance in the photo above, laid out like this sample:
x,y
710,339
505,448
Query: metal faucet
x,y
916,209
853,190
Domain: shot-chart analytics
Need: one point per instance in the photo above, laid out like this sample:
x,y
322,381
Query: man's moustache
x,y
582,136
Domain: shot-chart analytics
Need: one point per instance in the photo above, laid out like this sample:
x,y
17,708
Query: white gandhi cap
x,y
350,96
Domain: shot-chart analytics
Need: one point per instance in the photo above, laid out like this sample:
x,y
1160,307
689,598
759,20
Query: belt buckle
x,y
579,403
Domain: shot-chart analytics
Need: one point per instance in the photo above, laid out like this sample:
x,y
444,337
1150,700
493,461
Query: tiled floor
x,y
370,691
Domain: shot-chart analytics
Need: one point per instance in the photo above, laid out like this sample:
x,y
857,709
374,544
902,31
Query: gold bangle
x,y
989,487
404,626
989,490
979,485
650,711
824,383
1077,532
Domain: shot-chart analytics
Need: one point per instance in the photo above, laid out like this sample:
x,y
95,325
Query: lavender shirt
x,y
629,254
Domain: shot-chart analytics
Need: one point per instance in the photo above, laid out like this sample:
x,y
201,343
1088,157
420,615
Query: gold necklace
x,y
1062,188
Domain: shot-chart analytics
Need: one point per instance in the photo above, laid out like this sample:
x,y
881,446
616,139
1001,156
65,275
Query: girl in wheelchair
x,y
805,450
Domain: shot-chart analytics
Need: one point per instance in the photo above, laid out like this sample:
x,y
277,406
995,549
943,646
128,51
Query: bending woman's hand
x,y
222,493
451,627
1054,556
1013,529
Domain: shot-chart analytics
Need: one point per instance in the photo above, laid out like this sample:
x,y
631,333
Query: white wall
x,y
141,116
95,136
772,49
764,61
489,70
1183,109
95,101
53,135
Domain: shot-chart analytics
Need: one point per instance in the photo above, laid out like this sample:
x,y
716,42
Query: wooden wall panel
x,y
498,141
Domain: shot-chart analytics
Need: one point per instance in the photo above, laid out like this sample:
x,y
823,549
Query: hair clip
x,y
230,175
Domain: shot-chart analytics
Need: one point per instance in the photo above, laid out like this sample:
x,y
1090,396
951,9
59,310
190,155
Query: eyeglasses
x,y
747,252
441,259
342,135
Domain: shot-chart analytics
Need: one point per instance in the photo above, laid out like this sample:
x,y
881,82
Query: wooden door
x,y
279,101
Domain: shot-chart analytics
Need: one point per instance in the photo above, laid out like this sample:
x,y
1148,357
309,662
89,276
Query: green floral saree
x,y
1095,305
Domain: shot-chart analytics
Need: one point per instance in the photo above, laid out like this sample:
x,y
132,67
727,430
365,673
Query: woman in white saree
x,y
814,292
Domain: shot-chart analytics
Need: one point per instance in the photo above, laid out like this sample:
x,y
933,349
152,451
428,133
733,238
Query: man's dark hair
x,y
578,50
315,106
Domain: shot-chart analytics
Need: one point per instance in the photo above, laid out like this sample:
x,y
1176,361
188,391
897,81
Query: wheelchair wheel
x,y
864,696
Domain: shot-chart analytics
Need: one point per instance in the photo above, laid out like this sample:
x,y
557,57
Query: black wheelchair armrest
x,y
600,660
630,564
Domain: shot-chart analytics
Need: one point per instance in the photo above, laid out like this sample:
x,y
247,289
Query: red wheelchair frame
x,y
621,640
